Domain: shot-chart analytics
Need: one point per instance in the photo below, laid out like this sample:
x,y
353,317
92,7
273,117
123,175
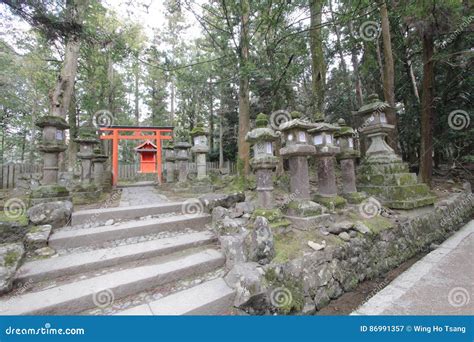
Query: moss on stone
x,y
336,201
22,219
11,257
50,191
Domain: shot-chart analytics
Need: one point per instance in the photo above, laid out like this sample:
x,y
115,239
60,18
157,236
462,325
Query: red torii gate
x,y
113,133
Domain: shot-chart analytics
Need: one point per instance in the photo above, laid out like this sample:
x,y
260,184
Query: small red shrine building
x,y
147,152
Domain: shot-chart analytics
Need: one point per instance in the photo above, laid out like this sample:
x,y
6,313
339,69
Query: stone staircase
x,y
143,260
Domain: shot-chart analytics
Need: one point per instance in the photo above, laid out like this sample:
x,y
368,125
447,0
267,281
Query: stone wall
x,y
312,280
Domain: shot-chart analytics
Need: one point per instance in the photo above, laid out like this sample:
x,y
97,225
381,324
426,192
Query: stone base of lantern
x,y
330,201
201,186
49,193
85,193
393,184
354,197
305,214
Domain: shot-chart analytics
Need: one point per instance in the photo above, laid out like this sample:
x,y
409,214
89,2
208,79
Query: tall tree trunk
x,y
318,66
355,66
389,76
211,119
172,103
427,118
34,113
244,101
221,136
136,72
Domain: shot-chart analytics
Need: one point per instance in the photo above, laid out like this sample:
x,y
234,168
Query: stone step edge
x,y
75,263
212,297
128,213
93,236
102,290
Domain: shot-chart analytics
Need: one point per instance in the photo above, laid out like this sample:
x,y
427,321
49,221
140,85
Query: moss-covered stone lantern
x,y
263,161
52,144
98,162
170,158
382,172
300,210
182,158
200,149
86,191
347,156
326,150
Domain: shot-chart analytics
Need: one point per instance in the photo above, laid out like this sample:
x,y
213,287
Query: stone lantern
x,y
263,161
382,172
169,160
297,149
87,138
200,149
346,156
98,162
52,144
326,150
182,159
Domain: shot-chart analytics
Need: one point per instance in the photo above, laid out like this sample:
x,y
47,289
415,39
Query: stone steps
x,y
213,297
85,294
95,236
47,269
124,213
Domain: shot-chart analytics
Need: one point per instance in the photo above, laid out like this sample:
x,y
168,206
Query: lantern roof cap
x,y
324,127
296,123
261,121
373,104
261,134
344,130
198,130
182,145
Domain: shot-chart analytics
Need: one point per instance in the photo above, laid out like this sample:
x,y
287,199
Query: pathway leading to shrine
x,y
438,284
140,195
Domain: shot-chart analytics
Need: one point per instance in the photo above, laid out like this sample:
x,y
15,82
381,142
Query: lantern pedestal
x,y
382,173
99,171
202,184
86,191
301,211
51,145
169,163
182,159
347,156
323,139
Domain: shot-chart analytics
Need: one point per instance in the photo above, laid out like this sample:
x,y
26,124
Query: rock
x,y
233,246
321,299
340,227
57,214
44,252
247,280
37,237
241,209
259,244
10,257
317,246
345,236
361,228
352,233
11,232
210,201
219,213
309,307
109,222
229,226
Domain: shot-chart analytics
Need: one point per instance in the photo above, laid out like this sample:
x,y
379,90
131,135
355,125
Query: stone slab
x,y
124,213
38,270
95,236
79,296
213,297
308,223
